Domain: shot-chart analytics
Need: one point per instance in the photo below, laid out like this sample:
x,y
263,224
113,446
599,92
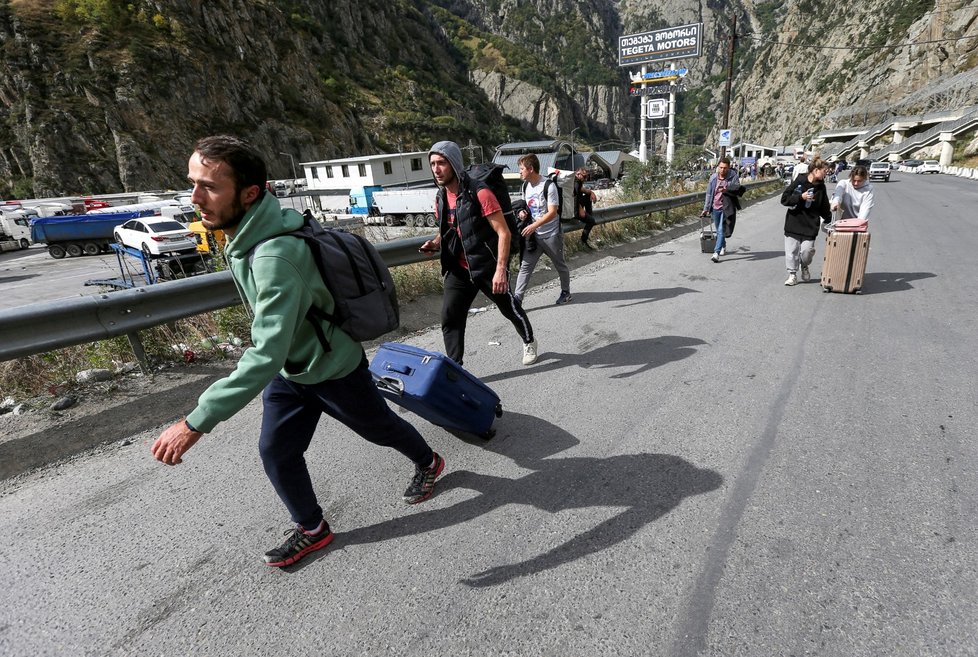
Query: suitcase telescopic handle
x,y
390,384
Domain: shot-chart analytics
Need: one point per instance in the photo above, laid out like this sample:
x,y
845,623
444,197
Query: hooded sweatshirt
x,y
280,283
479,242
802,221
856,203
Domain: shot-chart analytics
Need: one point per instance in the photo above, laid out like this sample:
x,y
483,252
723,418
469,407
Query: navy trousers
x,y
291,413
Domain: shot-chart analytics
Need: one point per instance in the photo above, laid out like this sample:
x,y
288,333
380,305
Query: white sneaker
x,y
715,257
805,275
791,279
530,353
723,251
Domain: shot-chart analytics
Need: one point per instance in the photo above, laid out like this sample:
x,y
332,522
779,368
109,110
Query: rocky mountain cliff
x,y
101,96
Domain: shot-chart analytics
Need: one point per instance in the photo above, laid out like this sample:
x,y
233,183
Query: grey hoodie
x,y
451,152
479,242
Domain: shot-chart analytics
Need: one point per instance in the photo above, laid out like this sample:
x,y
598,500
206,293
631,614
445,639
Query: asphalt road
x,y
703,462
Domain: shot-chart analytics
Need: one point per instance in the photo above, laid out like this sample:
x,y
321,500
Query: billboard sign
x,y
660,45
655,90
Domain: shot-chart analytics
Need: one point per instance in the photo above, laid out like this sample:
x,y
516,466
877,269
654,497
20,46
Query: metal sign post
x,y
642,153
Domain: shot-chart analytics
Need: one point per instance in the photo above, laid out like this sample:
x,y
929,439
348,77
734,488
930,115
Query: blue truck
x,y
78,234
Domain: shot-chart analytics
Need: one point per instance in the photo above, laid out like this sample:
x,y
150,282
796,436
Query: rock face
x,y
104,97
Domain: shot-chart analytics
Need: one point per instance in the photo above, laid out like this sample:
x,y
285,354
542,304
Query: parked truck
x,y
78,234
410,207
15,232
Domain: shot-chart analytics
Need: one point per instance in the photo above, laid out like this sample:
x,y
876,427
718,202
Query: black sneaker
x,y
297,545
422,485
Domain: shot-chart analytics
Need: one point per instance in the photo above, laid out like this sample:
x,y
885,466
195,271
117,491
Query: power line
x,y
809,46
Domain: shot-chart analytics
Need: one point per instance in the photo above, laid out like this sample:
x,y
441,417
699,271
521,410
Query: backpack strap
x,y
315,315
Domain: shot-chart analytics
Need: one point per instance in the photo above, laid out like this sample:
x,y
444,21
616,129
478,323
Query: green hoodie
x,y
280,284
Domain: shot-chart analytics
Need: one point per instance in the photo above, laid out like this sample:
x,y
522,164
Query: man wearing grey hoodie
x,y
473,240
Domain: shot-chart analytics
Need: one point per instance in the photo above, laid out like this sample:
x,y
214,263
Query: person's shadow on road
x,y
879,282
642,355
624,298
643,486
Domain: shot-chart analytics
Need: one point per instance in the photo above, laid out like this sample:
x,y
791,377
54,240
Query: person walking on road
x,y
473,240
298,378
584,198
808,205
723,180
854,195
543,200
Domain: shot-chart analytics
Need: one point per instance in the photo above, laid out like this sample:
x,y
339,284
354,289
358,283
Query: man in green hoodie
x,y
298,378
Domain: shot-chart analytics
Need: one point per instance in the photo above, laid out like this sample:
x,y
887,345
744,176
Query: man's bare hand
x,y
174,442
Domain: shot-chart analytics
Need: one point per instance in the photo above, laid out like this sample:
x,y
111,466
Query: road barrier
x,y
42,327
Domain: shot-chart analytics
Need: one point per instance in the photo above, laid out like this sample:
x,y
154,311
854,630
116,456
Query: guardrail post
x,y
137,349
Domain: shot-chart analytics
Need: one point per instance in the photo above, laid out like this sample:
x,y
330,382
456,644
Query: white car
x,y
929,166
155,236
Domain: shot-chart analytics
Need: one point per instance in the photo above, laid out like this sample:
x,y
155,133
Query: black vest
x,y
479,242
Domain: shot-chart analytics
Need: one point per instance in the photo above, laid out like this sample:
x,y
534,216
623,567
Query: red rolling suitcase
x,y
436,388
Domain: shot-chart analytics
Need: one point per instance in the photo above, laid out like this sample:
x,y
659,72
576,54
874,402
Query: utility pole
x,y
471,148
726,95
294,176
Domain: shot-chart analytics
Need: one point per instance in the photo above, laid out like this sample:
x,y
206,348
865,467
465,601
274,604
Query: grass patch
x,y
201,338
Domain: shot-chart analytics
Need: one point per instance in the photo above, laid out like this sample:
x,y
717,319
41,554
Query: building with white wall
x,y
331,183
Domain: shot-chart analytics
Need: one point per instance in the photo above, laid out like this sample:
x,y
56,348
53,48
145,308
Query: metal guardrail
x,y
41,327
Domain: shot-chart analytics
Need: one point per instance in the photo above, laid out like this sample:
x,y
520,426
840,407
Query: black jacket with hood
x,y
479,242
800,222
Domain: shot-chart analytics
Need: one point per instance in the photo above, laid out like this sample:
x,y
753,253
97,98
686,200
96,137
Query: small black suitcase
x,y
708,236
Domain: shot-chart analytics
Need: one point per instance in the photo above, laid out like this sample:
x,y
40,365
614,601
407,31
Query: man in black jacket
x,y
474,242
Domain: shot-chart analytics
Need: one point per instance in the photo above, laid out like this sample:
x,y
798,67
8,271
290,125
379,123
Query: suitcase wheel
x,y
499,410
489,434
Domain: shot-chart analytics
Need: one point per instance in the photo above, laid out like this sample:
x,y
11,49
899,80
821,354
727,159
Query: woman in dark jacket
x,y
808,205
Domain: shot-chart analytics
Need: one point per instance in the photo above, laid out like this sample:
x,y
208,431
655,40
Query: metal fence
x,y
42,327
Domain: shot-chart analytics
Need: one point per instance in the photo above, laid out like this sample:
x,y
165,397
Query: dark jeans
x,y
291,413
588,221
460,292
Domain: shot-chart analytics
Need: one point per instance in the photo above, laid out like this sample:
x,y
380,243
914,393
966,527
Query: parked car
x,y
155,236
863,163
879,171
929,166
912,164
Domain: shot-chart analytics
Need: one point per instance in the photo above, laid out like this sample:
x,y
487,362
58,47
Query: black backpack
x,y
364,296
491,176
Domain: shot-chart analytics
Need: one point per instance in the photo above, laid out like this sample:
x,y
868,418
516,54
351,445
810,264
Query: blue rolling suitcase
x,y
436,388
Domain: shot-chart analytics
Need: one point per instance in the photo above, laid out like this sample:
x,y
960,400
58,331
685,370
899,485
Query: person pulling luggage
x,y
298,378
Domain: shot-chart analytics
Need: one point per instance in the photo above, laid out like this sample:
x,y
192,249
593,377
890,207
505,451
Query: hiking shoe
x,y
805,275
715,257
422,484
564,297
297,545
530,353
791,279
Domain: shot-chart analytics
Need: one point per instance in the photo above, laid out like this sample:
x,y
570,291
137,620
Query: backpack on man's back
x,y
558,178
490,175
364,296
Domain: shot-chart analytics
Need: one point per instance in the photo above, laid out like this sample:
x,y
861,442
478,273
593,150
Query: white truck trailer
x,y
411,207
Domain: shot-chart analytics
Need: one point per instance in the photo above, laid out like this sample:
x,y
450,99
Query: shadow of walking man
x,y
645,486
639,355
